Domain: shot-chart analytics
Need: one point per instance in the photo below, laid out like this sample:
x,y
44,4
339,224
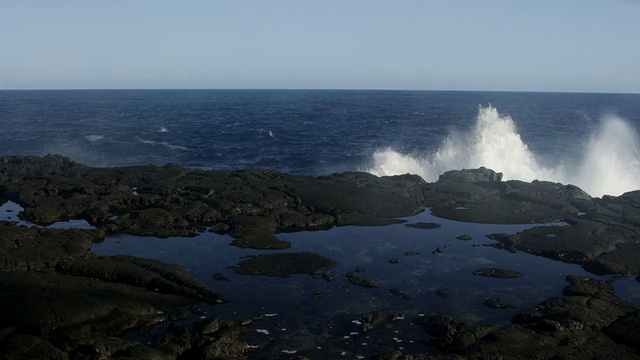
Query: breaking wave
x,y
609,165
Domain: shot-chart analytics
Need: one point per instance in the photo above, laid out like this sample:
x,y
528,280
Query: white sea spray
x,y
609,164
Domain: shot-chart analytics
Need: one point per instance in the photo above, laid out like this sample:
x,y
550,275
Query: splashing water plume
x,y
609,165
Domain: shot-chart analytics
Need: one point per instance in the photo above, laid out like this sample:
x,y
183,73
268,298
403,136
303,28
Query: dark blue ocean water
x,y
309,132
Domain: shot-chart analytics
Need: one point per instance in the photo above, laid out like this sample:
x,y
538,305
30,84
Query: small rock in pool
x,y
497,303
328,277
443,293
284,264
411,253
356,280
360,269
317,292
497,273
397,316
439,249
370,320
402,293
394,260
423,225
464,237
220,277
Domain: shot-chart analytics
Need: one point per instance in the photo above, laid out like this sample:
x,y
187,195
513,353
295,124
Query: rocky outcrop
x,y
587,322
175,201
285,264
602,234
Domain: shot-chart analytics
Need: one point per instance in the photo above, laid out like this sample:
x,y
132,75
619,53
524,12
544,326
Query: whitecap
x,y
94,137
165,144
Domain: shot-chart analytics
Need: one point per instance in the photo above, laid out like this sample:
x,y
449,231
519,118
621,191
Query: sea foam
x,y
609,164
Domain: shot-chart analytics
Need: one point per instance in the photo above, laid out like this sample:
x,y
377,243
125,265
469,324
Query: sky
x,y
496,45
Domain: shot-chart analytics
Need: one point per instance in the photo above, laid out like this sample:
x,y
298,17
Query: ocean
x,y
589,140
585,139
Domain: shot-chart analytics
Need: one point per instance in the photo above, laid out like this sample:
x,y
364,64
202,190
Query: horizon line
x,y
326,89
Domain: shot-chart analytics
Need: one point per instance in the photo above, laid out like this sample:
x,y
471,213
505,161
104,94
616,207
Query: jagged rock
x,y
355,279
328,277
220,277
369,321
497,273
582,323
146,273
402,293
443,293
423,225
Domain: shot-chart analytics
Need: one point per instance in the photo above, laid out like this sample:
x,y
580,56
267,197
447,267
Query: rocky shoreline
x,y
60,301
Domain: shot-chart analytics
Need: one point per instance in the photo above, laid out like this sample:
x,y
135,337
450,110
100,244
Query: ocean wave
x,y
94,137
609,164
165,144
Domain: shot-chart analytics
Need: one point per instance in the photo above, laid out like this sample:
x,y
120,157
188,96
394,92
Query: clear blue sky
x,y
541,45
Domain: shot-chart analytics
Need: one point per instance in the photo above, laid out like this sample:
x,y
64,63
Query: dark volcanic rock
x,y
402,293
587,322
369,321
68,312
259,240
171,200
497,273
218,340
328,276
439,249
150,274
30,249
443,293
284,264
253,205
601,234
471,175
497,303
625,330
220,277
175,341
423,225
355,279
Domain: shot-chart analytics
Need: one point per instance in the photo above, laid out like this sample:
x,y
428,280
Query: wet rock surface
x,y
356,279
58,301
285,264
497,273
497,303
586,322
422,225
